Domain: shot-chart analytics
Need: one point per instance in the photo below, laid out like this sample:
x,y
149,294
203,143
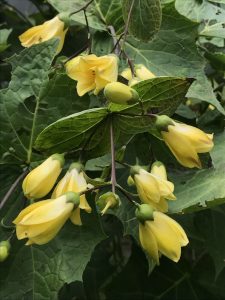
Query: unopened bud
x,y
144,212
4,250
120,93
106,201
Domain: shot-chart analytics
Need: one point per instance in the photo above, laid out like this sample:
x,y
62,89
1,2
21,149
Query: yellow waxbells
x,y
153,188
120,93
159,234
39,182
41,33
74,181
141,73
184,141
4,250
41,221
92,73
106,201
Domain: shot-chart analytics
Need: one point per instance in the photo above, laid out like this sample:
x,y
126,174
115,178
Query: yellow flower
x,y
154,188
162,235
41,221
143,73
106,201
41,180
41,33
74,181
92,72
120,93
185,141
126,73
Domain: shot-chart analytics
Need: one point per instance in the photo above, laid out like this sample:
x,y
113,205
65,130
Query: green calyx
x,y
108,200
162,123
157,164
144,212
60,158
5,244
4,250
65,18
74,198
76,165
135,170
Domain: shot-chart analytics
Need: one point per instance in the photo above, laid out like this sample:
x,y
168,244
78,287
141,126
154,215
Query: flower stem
x,y
113,169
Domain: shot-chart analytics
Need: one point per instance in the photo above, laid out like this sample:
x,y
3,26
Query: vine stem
x,y
13,187
113,169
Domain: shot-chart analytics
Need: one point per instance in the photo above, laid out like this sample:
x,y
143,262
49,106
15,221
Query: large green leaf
x,y
89,130
200,189
4,34
38,272
215,30
110,12
143,14
78,18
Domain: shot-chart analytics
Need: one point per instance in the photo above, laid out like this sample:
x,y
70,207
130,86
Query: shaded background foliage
x,y
102,259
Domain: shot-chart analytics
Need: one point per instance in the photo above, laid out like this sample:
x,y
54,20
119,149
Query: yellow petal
x,y
148,241
75,217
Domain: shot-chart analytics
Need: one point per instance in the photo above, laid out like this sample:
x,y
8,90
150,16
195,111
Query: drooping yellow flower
x,y
184,141
41,33
143,73
74,181
154,188
106,201
41,221
92,72
162,235
39,182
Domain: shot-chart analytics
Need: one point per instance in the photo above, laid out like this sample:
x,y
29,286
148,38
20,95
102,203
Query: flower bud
x,y
120,153
162,123
130,181
106,201
120,93
39,182
159,169
144,212
4,250
143,73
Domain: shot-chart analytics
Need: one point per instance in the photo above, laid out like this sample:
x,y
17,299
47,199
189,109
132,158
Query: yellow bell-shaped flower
x,y
106,201
154,188
41,221
74,181
143,73
41,33
184,141
162,235
120,93
127,74
39,182
92,73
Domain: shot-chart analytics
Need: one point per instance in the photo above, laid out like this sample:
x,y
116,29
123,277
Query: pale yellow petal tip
x,y
28,243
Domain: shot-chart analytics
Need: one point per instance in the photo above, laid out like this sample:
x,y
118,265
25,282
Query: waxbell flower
x,y
4,250
41,221
120,93
74,181
41,33
106,201
39,182
92,73
184,141
160,234
153,188
143,73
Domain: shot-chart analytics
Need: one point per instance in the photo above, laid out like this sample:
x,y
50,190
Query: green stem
x,y
113,169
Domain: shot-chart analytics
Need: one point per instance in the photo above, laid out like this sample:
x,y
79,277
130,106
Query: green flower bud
x,y
4,250
73,198
120,153
120,93
162,123
106,201
144,212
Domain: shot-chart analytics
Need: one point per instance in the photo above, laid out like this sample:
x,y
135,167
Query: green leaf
x,y
38,272
215,30
173,52
110,12
144,14
89,129
200,10
196,190
4,34
78,18
32,101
